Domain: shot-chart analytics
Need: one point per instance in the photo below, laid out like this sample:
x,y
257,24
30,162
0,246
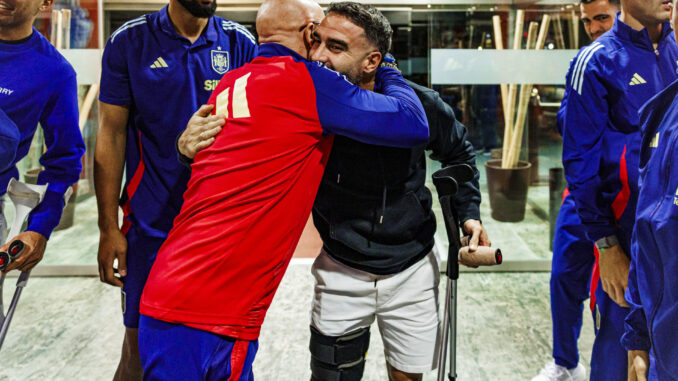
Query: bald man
x,y
251,193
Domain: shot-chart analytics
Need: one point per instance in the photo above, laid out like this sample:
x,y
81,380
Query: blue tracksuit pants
x,y
571,268
571,273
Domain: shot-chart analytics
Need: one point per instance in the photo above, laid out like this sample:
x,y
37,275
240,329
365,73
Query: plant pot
x,y
508,190
68,215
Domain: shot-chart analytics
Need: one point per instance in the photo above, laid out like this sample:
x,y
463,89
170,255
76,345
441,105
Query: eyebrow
x,y
332,40
338,42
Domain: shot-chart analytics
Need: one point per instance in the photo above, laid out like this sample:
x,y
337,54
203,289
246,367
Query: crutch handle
x,y
13,252
483,256
5,260
16,248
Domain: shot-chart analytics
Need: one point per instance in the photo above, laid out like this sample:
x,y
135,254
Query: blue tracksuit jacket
x,y
38,85
9,141
609,82
652,279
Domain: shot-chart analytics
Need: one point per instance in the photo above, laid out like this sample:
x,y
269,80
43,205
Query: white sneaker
x,y
555,372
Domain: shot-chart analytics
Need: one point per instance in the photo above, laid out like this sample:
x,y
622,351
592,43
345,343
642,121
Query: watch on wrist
x,y
607,242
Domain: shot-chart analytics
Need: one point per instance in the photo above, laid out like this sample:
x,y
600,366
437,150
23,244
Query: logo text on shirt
x,y
6,91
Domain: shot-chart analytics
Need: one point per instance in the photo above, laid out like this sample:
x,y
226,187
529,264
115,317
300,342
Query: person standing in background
x,y
38,85
573,252
610,81
157,70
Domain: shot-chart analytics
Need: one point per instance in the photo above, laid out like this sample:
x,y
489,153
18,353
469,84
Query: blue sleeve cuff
x,y
116,101
596,232
636,335
635,341
46,216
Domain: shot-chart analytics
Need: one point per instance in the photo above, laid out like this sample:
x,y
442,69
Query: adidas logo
x,y
159,63
637,80
655,141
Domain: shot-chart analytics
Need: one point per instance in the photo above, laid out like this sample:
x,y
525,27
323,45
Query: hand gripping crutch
x,y
447,181
25,198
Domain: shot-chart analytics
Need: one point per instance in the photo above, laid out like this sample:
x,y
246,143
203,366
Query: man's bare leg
x,y
397,375
129,368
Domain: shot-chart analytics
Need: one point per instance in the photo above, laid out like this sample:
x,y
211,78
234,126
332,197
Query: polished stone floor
x,y
71,329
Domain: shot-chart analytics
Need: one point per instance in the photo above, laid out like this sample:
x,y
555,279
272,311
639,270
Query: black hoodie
x,y
373,210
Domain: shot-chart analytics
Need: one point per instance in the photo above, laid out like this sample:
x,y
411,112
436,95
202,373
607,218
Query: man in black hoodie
x,y
373,213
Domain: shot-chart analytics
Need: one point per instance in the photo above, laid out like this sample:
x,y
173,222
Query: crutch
x,y
447,181
25,198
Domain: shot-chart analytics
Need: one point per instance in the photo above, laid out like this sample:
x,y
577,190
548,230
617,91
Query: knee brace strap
x,y
338,358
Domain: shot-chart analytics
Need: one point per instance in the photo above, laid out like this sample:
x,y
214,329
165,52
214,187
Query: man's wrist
x,y
183,159
108,226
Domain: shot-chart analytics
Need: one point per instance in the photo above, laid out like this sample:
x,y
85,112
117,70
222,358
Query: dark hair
x,y
377,28
612,2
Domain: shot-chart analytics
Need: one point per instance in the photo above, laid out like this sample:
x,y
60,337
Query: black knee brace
x,y
338,358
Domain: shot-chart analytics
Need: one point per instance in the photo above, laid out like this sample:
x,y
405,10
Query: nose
x,y
318,53
596,28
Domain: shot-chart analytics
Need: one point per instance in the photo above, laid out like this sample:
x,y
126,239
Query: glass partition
x,y
457,52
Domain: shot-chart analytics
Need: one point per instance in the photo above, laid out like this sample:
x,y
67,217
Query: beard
x,y
197,9
353,75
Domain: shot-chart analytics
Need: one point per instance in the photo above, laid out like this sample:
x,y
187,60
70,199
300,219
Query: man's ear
x,y
46,4
371,62
308,34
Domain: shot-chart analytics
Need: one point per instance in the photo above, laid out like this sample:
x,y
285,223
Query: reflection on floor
x,y
71,329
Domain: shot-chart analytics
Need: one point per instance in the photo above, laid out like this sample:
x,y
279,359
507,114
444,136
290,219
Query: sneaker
x,y
555,372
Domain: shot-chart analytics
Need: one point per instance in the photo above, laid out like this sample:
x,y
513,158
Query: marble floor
x,y
71,329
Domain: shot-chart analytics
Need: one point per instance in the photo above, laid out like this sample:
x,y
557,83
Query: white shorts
x,y
405,306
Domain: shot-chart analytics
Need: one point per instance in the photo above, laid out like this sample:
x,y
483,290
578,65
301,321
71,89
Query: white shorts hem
x,y
409,368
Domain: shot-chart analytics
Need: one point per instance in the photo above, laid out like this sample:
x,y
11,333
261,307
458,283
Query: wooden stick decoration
x,y
525,93
508,157
66,20
60,30
87,104
513,88
532,35
499,45
54,21
574,43
560,36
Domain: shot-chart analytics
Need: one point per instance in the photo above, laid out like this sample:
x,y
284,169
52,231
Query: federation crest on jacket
x,y
220,61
